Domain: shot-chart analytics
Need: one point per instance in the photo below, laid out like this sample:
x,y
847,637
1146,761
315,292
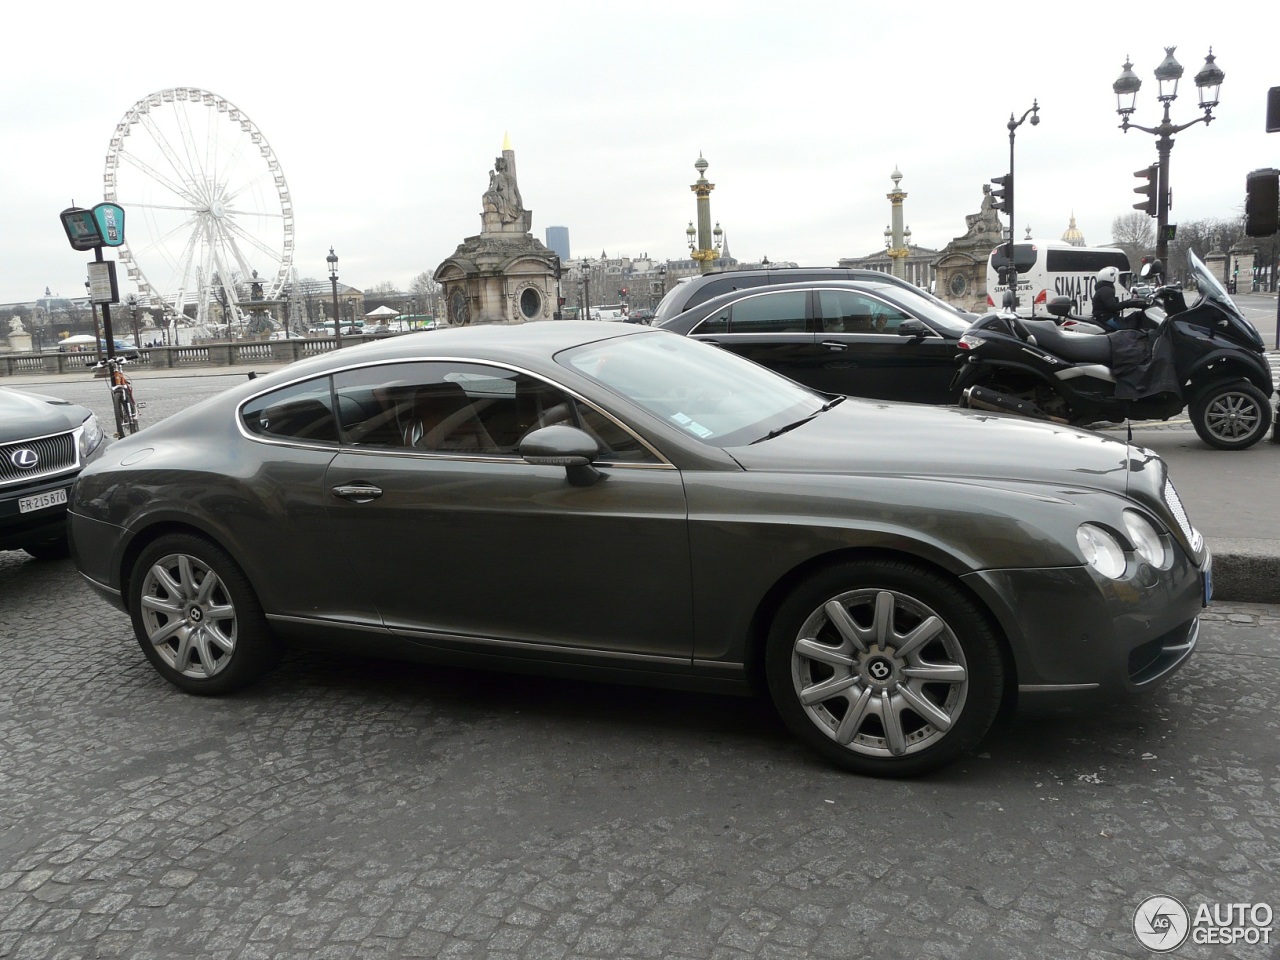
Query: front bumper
x,y
19,529
1079,639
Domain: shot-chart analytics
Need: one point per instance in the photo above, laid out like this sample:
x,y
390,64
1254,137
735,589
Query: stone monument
x,y
19,341
505,274
961,267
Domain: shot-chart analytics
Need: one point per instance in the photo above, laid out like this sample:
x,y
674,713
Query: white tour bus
x,y
1054,268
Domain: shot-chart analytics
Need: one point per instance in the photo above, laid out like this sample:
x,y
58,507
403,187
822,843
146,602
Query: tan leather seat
x,y
442,418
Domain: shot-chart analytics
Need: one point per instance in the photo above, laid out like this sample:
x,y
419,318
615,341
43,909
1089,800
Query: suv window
x,y
847,311
770,313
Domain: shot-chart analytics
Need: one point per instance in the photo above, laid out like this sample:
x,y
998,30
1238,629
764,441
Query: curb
x,y
1246,570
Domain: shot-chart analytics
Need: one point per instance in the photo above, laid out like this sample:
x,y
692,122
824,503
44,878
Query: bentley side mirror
x,y
561,445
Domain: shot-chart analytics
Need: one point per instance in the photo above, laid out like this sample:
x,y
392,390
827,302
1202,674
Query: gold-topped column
x,y
705,249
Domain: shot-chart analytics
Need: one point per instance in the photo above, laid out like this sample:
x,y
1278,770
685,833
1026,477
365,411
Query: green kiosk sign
x,y
110,218
103,226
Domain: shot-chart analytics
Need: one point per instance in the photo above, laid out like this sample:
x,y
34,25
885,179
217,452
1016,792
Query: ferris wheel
x,y
210,220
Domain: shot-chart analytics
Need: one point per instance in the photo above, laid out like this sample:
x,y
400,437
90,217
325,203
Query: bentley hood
x,y
868,437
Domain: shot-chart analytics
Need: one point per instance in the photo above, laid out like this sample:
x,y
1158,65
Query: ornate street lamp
x,y
1013,125
1208,82
332,259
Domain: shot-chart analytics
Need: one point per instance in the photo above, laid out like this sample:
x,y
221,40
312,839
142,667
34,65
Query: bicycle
x,y
123,404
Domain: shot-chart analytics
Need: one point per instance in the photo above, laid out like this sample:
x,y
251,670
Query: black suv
x,y
695,290
44,444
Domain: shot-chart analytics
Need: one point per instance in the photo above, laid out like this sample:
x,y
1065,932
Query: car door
x,y
773,328
863,353
461,543
309,575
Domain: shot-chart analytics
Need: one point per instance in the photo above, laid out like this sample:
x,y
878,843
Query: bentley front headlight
x,y
1146,540
1101,550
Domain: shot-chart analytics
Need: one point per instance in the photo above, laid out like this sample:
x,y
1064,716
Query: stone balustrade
x,y
212,354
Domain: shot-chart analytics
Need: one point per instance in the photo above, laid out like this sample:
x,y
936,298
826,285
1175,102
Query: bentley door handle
x,y
835,345
358,492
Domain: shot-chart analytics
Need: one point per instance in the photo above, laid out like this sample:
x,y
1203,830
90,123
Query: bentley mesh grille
x,y
1175,507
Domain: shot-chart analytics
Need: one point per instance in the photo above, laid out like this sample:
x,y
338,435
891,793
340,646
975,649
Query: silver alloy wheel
x,y
879,673
1232,416
188,616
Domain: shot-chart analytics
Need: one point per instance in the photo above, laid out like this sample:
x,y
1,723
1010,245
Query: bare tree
x,y
383,289
1204,237
1133,233
425,288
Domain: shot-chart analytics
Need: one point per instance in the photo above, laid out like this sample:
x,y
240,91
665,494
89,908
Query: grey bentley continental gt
x,y
613,502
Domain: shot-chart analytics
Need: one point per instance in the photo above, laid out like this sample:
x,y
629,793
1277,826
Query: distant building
x,y
917,265
1073,235
558,241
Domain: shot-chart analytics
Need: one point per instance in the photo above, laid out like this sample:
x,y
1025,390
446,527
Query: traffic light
x,y
1261,200
1003,196
1150,189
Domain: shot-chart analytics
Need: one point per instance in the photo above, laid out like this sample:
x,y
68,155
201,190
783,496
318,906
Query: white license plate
x,y
42,500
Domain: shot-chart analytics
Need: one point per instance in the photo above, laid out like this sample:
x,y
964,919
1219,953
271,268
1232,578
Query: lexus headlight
x,y
1101,550
90,436
1146,540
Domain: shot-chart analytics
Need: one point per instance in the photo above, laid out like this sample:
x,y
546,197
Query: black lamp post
x,y
132,301
1007,205
93,308
332,259
586,290
1208,80
555,263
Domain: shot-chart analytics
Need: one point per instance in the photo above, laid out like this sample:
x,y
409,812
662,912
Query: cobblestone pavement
x,y
351,808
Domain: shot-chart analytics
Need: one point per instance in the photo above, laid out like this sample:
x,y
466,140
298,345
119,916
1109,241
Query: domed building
x,y
1073,235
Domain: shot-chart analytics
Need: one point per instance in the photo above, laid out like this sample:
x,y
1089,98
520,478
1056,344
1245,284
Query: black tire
x,y
126,414
55,549
1231,416
205,637
873,672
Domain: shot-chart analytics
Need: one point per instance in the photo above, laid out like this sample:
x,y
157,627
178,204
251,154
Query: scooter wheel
x,y
1231,416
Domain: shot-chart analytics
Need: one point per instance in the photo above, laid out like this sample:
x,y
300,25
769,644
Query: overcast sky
x,y
386,118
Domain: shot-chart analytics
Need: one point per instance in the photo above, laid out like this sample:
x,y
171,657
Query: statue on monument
x,y
15,324
503,196
986,220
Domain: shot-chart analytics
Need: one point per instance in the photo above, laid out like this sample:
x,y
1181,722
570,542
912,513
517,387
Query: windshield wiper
x,y
777,432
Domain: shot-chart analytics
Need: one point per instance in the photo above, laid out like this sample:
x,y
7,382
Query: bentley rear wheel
x,y
196,616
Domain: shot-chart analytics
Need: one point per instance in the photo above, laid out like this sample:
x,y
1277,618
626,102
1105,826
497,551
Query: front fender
x,y
1228,364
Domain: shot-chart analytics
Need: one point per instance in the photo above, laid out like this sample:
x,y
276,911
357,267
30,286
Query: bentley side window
x,y
464,408
301,412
